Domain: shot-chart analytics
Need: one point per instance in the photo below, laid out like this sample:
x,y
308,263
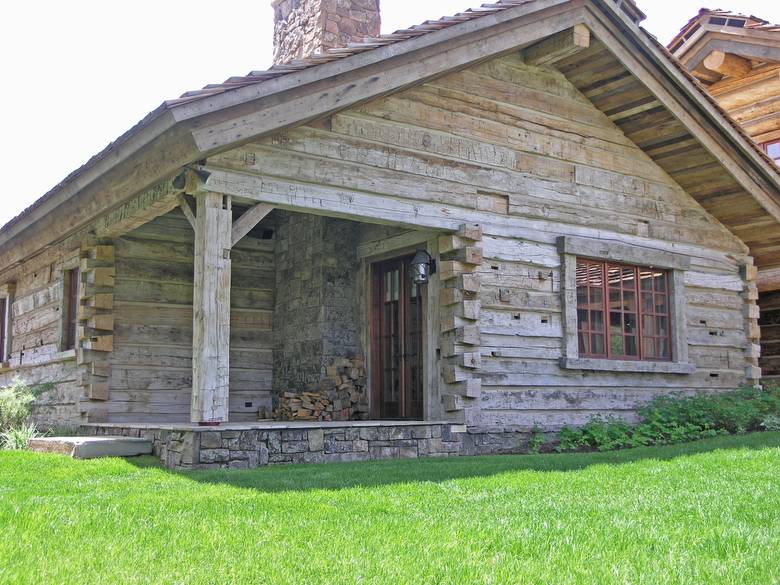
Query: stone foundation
x,y
248,446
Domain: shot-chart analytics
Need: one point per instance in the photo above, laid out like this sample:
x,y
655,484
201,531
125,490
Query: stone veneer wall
x,y
305,27
246,448
316,312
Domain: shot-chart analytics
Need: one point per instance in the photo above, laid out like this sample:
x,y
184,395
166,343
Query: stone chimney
x,y
305,27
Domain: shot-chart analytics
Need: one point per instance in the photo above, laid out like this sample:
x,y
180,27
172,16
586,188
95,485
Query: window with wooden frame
x,y
6,305
3,329
772,149
623,307
70,308
623,312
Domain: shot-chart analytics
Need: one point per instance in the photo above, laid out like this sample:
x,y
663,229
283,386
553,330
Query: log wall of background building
x,y
753,101
151,374
519,150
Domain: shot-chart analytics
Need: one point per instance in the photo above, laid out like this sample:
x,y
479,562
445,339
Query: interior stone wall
x,y
316,313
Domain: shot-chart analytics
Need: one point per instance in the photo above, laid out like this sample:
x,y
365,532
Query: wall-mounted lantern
x,y
422,266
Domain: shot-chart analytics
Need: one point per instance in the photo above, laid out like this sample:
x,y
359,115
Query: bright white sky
x,y
76,74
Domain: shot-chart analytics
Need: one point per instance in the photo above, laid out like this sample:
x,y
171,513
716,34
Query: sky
x,y
76,74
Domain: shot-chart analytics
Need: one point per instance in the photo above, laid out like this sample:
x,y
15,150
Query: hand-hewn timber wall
x,y
36,355
520,151
151,373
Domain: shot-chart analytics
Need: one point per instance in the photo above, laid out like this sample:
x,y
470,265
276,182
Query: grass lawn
x,y
706,512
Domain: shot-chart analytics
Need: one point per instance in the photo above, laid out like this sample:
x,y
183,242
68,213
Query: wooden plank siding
x,y
151,374
523,152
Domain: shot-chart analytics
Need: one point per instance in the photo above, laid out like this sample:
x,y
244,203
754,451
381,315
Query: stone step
x,y
91,447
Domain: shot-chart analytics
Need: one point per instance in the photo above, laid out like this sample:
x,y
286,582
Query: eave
x,y
748,43
180,135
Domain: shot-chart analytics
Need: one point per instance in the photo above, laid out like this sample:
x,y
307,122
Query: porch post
x,y
211,309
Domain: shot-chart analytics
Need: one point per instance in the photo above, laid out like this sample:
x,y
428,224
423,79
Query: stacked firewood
x,y
341,396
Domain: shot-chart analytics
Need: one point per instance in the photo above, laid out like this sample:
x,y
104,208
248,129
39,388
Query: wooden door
x,y
397,317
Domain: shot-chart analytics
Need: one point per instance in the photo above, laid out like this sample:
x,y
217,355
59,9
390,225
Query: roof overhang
x,y
172,137
749,43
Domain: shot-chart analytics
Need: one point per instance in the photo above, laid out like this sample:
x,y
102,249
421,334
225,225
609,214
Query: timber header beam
x,y
196,183
559,46
141,209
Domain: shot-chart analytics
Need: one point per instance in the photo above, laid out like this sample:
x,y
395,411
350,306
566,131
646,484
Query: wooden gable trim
x,y
511,30
188,133
167,140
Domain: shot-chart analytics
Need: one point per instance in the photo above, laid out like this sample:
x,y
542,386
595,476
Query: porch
x,y
251,445
226,310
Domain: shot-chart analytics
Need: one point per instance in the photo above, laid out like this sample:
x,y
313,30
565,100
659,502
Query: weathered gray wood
x,y
211,310
250,218
155,202
559,46
619,252
184,205
627,366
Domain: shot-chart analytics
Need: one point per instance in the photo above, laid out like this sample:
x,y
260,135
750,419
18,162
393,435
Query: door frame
x,y
395,247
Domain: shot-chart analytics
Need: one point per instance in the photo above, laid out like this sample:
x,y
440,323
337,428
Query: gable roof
x,y
628,7
185,130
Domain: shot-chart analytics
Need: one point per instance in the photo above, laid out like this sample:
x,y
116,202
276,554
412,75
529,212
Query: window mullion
x,y
607,316
639,315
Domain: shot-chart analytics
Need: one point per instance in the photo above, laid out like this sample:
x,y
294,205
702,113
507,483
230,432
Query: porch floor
x,y
269,425
254,444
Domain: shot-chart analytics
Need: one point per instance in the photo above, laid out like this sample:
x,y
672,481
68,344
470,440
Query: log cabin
x,y
422,243
736,57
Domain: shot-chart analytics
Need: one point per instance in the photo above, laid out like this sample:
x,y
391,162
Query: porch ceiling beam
x,y
559,46
184,204
251,217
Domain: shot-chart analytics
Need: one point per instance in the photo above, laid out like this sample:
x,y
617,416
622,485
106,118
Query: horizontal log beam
x,y
141,209
727,64
769,280
332,201
559,46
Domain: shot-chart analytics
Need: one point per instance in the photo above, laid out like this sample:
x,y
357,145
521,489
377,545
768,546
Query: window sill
x,y
62,356
627,366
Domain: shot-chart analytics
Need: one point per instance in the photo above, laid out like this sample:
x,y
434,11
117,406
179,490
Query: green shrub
x,y
17,438
771,423
536,440
570,439
606,435
676,419
15,403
